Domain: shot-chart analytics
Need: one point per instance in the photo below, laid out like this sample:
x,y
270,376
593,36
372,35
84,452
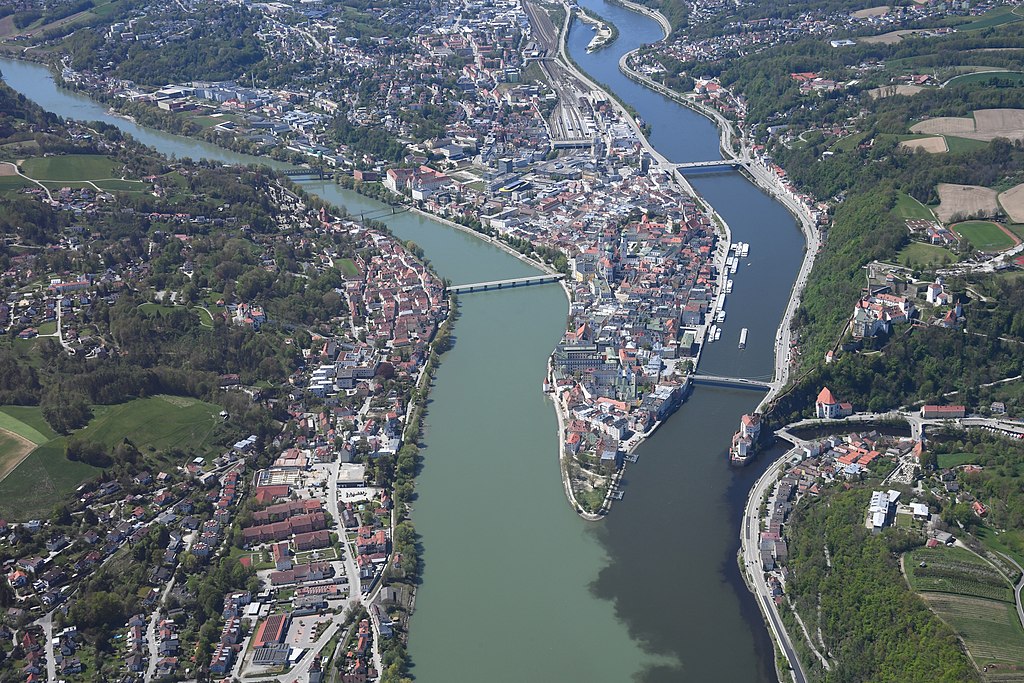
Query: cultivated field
x,y
891,37
990,630
41,481
935,145
944,125
965,201
986,235
986,125
890,90
13,449
155,425
955,570
976,600
27,422
871,12
1012,202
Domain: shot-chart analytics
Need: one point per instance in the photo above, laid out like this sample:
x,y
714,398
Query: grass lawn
x,y
348,267
947,460
40,482
984,235
850,142
13,183
118,185
921,255
994,17
205,319
986,76
26,421
160,422
991,630
55,185
1010,542
161,310
314,555
908,207
960,145
904,520
71,167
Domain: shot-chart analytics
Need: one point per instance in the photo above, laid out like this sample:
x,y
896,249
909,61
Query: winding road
x,y
750,552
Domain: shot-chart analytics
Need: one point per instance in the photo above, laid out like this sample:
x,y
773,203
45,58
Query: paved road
x,y
751,553
51,659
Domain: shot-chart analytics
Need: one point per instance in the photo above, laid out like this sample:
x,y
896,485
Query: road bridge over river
x,y
709,164
740,382
505,284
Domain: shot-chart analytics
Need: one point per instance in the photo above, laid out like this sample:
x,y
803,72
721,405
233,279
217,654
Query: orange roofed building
x,y
828,407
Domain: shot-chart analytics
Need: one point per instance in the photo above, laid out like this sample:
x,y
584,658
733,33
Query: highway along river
x,y
516,586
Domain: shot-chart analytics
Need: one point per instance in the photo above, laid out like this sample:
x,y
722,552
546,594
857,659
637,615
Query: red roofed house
x,y
827,407
943,412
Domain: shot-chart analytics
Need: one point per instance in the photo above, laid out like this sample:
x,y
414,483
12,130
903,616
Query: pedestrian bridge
x,y
740,382
505,284
708,164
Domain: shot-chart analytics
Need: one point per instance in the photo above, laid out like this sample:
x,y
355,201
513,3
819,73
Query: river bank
x,y
719,258
755,171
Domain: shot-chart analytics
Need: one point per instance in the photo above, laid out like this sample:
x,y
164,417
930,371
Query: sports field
x,y
348,267
986,235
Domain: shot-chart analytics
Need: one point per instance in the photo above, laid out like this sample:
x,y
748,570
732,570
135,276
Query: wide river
x,y
516,586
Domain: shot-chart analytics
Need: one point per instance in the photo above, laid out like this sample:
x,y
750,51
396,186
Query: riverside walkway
x,y
505,284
